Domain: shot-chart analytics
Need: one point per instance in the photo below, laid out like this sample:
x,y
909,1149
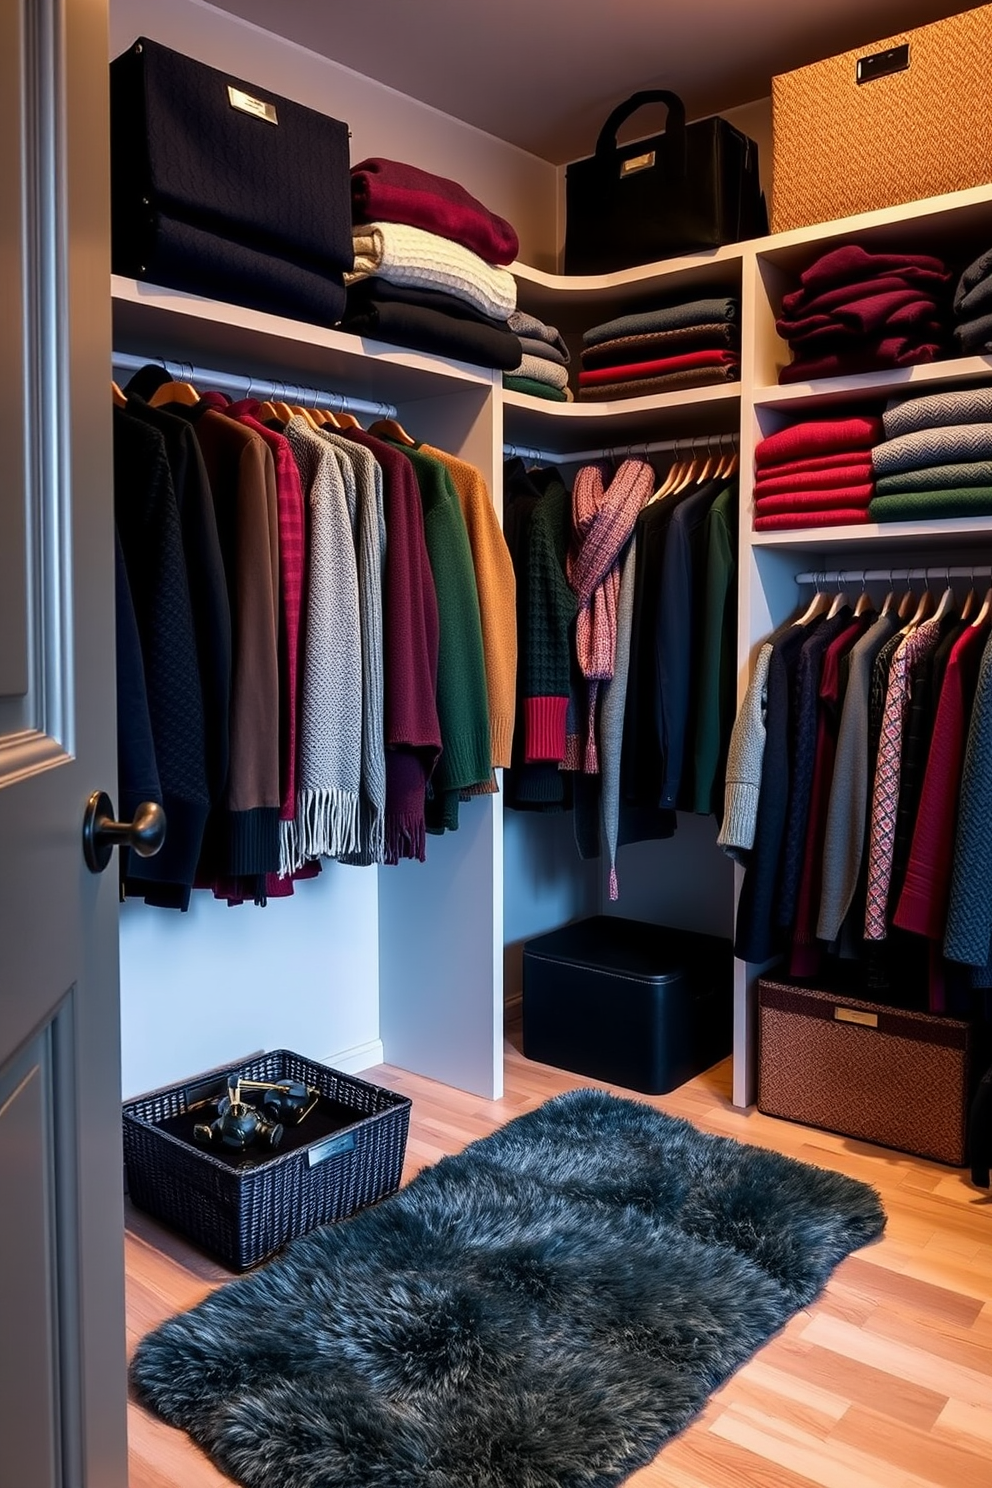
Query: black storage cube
x,y
242,1214
637,1005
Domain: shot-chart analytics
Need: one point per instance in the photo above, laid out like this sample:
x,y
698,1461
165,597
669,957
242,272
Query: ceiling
x,y
545,73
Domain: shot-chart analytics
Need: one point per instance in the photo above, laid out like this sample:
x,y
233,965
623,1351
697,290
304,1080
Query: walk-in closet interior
x,y
414,963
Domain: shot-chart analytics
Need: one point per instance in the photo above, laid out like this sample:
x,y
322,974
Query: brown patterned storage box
x,y
865,1070
919,123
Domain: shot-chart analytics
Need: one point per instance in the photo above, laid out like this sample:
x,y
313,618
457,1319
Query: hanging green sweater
x,y
717,659
462,703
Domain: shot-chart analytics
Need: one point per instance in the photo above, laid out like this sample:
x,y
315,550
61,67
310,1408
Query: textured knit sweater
x,y
844,833
938,411
716,670
397,192
496,586
611,718
974,473
947,445
744,761
408,255
551,611
327,813
665,318
363,491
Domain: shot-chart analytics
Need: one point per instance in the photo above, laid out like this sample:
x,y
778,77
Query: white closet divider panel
x,y
441,922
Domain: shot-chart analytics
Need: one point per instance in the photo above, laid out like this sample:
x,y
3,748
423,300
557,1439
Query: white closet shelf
x,y
573,302
573,426
938,534
920,226
152,321
865,385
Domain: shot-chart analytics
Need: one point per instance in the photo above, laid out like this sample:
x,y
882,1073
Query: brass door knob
x,y
101,834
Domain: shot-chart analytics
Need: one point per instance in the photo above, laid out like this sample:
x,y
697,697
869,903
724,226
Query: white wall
x,y
519,186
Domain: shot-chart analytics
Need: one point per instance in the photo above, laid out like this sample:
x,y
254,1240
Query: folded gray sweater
x,y
948,446
938,411
667,318
523,324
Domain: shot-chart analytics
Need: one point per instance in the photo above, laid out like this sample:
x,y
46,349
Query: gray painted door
x,y
61,1225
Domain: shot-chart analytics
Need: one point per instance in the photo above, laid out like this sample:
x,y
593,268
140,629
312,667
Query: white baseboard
x,y
360,1057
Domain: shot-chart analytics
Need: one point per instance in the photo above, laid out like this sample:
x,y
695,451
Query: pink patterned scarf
x,y
603,518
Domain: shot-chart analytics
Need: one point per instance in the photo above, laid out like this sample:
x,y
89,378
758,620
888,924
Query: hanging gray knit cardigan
x,y
611,715
330,747
744,758
363,490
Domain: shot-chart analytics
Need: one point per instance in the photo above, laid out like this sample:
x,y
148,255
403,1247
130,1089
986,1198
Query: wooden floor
x,y
885,1382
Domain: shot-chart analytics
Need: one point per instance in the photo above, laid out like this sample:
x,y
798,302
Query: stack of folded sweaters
x,y
428,266
936,460
862,312
973,308
676,346
543,368
816,474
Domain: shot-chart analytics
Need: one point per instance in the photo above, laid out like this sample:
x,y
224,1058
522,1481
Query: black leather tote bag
x,y
695,186
226,189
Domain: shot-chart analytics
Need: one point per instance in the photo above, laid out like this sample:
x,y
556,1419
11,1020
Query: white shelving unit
x,y
438,928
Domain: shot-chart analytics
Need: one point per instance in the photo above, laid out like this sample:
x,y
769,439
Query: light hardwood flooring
x,y
885,1382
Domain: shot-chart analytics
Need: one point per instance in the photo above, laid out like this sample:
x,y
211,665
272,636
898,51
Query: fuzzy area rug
x,y
544,1310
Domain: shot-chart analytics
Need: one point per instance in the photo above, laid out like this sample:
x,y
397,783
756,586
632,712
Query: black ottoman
x,y
637,1005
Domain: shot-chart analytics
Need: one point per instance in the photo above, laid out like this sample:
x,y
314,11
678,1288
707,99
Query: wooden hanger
x,y
818,606
175,392
837,604
349,421
946,606
120,401
671,476
984,612
691,472
710,467
970,600
922,612
391,429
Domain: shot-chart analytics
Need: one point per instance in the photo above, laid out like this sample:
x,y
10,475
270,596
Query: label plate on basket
x,y
331,1147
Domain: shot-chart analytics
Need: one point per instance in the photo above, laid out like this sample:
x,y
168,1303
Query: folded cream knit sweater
x,y
422,260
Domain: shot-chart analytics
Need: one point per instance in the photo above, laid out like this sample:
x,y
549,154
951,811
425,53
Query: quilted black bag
x,y
695,186
225,189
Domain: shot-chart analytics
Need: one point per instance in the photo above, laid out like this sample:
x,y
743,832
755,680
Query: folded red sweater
x,y
841,517
389,191
631,371
848,264
771,482
819,437
817,462
925,281
806,501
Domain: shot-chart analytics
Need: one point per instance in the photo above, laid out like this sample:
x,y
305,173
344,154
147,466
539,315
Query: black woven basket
x,y
242,1216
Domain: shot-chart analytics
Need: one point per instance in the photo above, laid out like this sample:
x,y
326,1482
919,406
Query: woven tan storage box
x,y
841,146
865,1070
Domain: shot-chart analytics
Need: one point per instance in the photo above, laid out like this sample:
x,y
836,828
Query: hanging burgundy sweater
x,y
926,888
818,437
410,637
389,191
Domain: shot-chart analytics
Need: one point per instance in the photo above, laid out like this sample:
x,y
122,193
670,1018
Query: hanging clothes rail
x,y
635,447
880,575
244,386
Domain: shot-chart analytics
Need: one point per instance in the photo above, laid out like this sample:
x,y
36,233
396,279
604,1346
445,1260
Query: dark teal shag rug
x,y
544,1310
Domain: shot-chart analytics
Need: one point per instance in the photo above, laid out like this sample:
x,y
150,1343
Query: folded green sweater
x,y
535,388
916,506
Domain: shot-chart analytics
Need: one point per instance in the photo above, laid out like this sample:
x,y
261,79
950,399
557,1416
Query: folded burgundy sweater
x,y
893,351
864,317
662,343
841,517
818,437
771,482
850,263
924,281
806,501
390,191
633,371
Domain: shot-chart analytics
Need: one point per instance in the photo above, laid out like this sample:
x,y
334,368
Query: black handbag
x,y
224,189
695,186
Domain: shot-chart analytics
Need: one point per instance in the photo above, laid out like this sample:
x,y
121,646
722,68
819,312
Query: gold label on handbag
x,y
257,107
855,1015
637,163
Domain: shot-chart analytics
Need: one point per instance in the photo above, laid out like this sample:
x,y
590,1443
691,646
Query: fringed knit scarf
x,y
603,518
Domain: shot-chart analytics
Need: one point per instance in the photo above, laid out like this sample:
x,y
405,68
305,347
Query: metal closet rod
x,y
636,447
878,575
257,387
